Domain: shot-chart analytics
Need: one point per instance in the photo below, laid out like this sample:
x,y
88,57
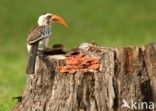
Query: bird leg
x,y
45,44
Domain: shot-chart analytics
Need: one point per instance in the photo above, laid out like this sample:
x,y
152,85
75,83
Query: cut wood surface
x,y
123,75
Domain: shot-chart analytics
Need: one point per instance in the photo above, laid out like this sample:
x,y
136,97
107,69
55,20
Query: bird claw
x,y
46,49
41,51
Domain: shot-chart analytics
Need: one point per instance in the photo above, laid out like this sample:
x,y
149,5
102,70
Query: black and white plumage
x,y
41,34
39,37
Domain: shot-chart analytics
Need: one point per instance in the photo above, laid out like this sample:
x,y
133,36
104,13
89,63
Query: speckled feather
x,y
38,33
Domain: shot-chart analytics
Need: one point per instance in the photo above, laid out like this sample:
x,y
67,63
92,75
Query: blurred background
x,y
113,23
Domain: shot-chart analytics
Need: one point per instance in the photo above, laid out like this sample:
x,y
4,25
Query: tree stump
x,y
125,81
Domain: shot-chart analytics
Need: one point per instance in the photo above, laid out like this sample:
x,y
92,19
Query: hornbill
x,y
39,37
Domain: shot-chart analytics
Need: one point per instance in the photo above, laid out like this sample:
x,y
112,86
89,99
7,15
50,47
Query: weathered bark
x,y
125,74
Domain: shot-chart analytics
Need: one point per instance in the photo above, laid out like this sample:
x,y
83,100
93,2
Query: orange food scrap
x,y
79,62
72,61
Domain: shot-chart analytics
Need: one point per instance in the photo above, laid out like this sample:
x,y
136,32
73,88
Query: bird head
x,y
48,18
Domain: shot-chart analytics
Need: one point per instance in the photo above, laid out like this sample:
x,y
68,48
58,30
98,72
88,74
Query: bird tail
x,y
32,59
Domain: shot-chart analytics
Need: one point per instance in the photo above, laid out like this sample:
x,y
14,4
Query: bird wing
x,y
36,34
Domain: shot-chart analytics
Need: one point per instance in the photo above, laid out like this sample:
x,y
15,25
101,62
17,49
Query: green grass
x,y
107,22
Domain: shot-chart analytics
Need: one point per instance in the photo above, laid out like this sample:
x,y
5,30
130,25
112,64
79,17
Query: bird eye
x,y
49,17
